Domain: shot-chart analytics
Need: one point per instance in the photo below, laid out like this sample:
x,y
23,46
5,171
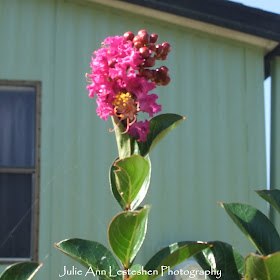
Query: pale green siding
x,y
217,154
275,132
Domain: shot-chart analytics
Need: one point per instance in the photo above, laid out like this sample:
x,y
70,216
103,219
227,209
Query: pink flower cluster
x,y
120,90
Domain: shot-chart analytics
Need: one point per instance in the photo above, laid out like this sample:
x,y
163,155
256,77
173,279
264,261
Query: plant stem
x,y
126,276
123,139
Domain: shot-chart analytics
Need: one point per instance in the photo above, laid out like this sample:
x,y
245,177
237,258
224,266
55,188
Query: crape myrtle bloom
x,y
122,82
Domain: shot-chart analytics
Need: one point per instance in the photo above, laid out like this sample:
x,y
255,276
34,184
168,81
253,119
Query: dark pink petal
x,y
148,104
103,110
140,130
139,86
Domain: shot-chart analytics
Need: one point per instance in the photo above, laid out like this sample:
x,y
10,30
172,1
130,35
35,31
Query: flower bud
x,y
149,62
144,38
143,31
165,81
152,47
138,44
163,57
164,70
145,52
159,50
153,38
166,47
154,75
128,36
135,39
147,73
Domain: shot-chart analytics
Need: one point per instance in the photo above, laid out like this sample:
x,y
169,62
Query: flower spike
x,y
122,81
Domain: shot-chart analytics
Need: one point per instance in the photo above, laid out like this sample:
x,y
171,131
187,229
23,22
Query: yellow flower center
x,y
125,106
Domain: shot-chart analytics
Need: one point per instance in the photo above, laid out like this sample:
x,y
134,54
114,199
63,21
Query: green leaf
x,y
173,255
91,254
223,257
255,225
262,268
21,271
132,179
136,267
127,232
133,193
271,196
123,139
159,127
112,179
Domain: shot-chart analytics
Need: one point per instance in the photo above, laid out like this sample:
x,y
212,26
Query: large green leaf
x,y
91,254
173,255
132,179
272,196
123,139
159,127
221,257
127,232
262,268
141,192
255,225
21,271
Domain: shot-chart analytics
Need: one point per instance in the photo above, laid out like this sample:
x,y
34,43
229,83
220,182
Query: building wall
x,y
217,154
275,133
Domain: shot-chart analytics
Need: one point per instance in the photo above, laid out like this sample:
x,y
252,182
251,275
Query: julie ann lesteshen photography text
x,y
164,270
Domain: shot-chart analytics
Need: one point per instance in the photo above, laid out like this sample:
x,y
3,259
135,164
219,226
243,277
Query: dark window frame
x,y
35,171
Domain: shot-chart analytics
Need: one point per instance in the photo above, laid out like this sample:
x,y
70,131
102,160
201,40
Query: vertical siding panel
x,y
275,132
183,52
222,137
255,126
186,71
203,126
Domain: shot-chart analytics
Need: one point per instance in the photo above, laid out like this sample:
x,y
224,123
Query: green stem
x,y
126,276
123,139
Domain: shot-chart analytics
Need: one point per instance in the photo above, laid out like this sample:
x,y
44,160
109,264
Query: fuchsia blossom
x,y
120,88
140,130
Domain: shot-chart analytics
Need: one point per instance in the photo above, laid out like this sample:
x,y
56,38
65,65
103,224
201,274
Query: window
x,y
19,170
